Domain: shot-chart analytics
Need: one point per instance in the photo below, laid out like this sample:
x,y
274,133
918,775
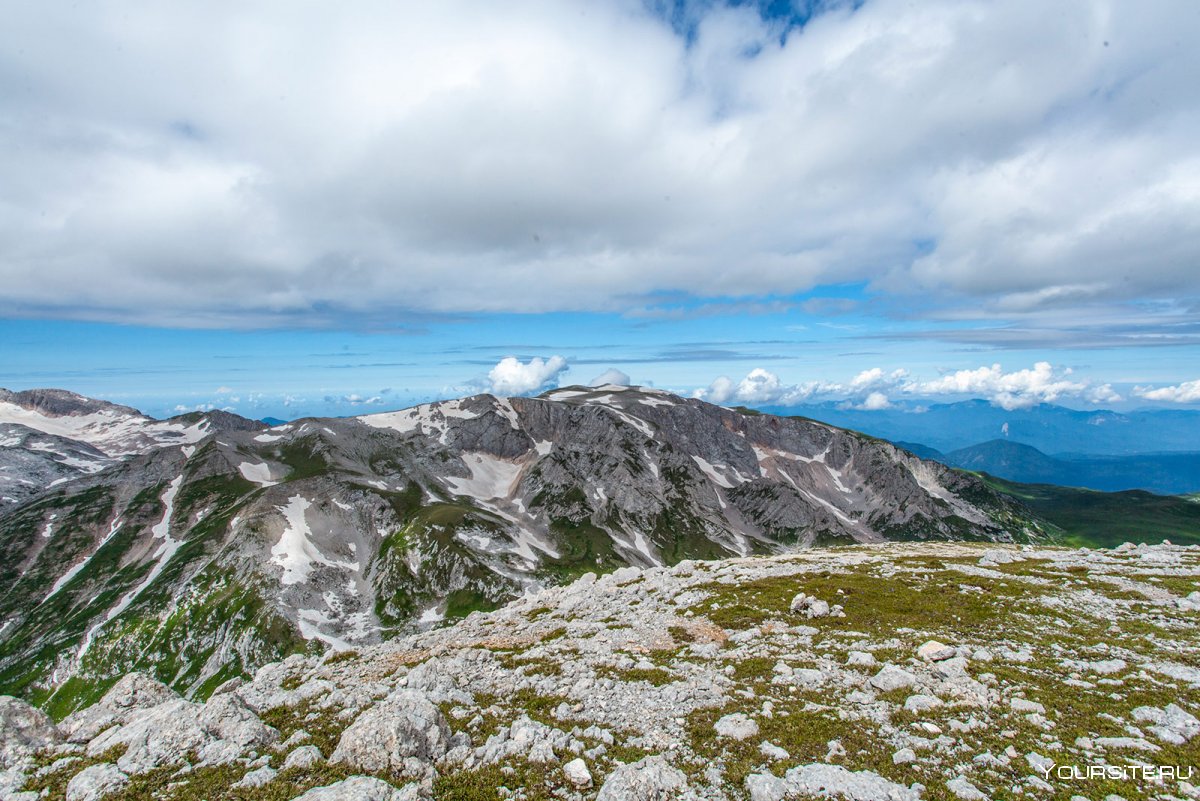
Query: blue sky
x,y
288,211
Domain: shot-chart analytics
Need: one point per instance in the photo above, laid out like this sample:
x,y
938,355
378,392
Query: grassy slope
x,y
1106,519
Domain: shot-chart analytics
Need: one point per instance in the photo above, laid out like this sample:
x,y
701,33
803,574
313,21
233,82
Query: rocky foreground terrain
x,y
869,672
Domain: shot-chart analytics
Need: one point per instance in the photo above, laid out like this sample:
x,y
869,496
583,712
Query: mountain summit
x,y
209,545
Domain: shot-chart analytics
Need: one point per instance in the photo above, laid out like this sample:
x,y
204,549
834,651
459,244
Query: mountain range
x,y
203,546
1048,427
1163,473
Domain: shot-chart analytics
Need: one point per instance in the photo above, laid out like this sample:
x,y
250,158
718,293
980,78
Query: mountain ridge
x,y
229,547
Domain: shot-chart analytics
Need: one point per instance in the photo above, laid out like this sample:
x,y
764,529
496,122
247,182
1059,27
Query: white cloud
x,y
224,390
610,376
511,376
209,165
873,389
875,401
1187,392
1018,389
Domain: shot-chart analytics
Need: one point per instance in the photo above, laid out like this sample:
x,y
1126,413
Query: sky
x,y
289,209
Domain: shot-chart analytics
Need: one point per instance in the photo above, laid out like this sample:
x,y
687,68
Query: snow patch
x,y
491,477
161,530
259,473
295,551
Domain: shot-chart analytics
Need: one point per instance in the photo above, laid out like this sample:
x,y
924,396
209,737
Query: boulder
x,y
825,780
133,693
404,734
227,717
163,735
362,788
649,779
304,757
257,777
24,731
891,678
96,781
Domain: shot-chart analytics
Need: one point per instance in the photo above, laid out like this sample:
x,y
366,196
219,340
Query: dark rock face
x,y
219,545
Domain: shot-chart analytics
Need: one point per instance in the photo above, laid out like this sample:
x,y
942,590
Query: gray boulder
x,y
133,693
891,677
164,735
96,781
24,731
833,780
228,718
257,777
362,788
649,779
403,734
304,757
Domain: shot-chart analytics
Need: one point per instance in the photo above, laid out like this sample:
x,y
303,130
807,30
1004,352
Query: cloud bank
x,y
280,164
873,389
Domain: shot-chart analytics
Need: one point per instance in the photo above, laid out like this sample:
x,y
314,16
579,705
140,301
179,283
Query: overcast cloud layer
x,y
298,164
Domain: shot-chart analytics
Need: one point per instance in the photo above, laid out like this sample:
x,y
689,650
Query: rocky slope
x,y
900,671
211,545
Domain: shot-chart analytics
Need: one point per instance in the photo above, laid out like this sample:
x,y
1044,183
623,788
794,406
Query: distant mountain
x,y
1049,428
219,545
1107,519
51,436
1163,473
272,421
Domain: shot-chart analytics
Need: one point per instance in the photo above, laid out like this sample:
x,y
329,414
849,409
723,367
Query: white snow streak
x,y
65,578
161,530
295,551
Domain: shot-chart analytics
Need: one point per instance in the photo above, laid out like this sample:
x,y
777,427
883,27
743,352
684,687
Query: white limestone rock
x,y
736,726
403,734
649,779
24,730
577,773
95,782
363,788
132,693
891,677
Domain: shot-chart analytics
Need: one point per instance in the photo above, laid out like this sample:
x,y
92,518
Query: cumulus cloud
x,y
216,164
511,376
1018,389
873,389
875,401
1187,392
611,376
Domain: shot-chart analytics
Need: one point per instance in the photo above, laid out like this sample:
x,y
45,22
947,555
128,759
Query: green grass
x,y
1107,519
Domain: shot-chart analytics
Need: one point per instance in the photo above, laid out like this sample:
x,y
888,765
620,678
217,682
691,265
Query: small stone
x,y
965,790
861,659
934,651
577,773
772,751
304,757
904,756
922,703
736,726
1024,706
256,778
